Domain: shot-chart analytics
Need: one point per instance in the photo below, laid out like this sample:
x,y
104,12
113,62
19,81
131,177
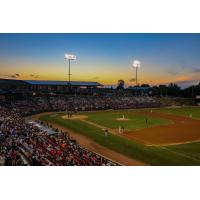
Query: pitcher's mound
x,y
75,117
122,119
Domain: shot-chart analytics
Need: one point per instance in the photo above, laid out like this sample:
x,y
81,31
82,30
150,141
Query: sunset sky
x,y
104,58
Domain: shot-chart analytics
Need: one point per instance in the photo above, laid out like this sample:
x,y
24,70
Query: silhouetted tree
x,y
145,85
174,90
120,85
163,90
192,91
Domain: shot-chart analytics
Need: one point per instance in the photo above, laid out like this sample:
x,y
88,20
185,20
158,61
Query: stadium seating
x,y
79,103
23,143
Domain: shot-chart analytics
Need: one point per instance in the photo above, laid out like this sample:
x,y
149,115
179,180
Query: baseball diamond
x,y
159,141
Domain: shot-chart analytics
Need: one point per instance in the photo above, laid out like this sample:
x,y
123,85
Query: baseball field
x,y
167,136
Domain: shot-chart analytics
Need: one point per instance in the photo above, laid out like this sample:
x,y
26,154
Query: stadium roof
x,y
50,83
12,81
73,83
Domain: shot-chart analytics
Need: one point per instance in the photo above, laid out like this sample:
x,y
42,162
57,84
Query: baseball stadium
x,y
53,121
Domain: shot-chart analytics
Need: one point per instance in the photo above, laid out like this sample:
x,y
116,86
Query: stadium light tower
x,y
69,57
136,65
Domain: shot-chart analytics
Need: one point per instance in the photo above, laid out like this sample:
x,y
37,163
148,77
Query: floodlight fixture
x,y
136,65
69,57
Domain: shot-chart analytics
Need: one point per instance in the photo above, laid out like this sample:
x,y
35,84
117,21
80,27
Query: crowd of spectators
x,y
22,143
37,104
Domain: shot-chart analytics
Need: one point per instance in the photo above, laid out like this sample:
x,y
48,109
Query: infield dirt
x,y
182,130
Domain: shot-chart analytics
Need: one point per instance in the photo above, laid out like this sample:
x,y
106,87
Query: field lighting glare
x,y
70,57
136,63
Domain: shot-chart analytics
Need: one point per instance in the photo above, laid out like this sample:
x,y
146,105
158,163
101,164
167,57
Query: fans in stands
x,y
79,103
25,144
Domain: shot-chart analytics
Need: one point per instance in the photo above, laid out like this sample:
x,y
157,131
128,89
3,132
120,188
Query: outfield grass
x,y
195,111
150,155
190,149
109,119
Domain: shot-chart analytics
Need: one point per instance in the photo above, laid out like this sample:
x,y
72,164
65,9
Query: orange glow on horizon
x,y
107,75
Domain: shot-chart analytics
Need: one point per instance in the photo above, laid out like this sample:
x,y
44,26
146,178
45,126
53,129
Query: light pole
x,y
136,65
69,57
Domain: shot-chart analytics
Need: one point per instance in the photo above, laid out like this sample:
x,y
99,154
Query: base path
x,y
95,147
75,117
181,130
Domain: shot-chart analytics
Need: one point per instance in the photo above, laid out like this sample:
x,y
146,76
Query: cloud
x,y
10,75
34,75
196,70
185,84
187,67
132,80
187,80
172,71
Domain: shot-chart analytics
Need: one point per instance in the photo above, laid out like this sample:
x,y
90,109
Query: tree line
x,y
174,90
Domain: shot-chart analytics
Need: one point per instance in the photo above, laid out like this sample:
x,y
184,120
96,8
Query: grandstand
x,y
25,143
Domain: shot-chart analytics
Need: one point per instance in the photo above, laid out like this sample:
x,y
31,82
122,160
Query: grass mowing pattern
x,y
149,155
